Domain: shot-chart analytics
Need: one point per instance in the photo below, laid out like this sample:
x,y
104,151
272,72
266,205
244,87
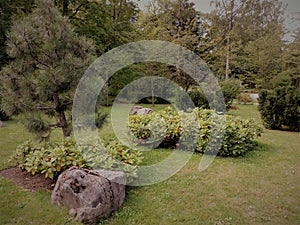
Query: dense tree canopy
x,y
43,49
49,59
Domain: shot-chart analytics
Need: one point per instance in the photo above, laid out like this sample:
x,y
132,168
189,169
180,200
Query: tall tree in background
x,y
169,20
228,11
262,36
256,28
291,63
109,23
173,21
49,61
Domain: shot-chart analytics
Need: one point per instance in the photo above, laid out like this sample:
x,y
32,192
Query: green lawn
x,y
261,188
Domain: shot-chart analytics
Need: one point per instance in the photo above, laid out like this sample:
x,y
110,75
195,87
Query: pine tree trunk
x,y
64,124
61,117
65,8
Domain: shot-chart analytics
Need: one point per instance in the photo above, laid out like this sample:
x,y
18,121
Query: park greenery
x,y
183,129
53,158
46,45
261,187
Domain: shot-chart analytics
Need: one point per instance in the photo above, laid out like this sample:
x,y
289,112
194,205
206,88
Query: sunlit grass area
x,y
261,188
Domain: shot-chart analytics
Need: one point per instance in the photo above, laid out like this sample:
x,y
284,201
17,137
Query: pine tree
x,y
49,59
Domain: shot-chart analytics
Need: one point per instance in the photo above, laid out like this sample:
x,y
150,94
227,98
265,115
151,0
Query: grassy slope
x,y
261,188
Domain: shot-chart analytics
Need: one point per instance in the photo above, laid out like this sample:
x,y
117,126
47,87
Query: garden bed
x,y
26,180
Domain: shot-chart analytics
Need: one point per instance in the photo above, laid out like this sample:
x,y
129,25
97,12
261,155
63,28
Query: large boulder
x,y
89,194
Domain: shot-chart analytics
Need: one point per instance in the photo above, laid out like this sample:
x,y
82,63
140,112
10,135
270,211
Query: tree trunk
x,y
230,27
152,92
65,8
227,70
62,121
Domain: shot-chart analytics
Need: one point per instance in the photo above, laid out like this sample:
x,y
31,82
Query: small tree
x,y
279,107
49,59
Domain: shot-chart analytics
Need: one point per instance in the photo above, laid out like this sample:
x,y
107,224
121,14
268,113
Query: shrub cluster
x,y
244,98
238,137
53,158
279,107
3,115
167,126
230,89
47,158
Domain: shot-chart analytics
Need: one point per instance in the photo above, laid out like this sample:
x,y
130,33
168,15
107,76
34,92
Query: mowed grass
x,y
261,188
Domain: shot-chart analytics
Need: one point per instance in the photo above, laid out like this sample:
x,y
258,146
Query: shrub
x,y
114,156
244,98
169,126
230,89
53,158
238,137
50,159
163,128
198,98
3,115
279,107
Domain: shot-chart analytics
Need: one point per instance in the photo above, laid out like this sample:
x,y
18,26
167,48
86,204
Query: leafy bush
x,y
238,137
163,128
53,158
50,159
198,98
230,89
244,98
167,126
100,119
114,156
281,107
3,115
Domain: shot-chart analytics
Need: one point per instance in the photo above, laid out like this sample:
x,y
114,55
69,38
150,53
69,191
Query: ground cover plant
x,y
260,188
51,159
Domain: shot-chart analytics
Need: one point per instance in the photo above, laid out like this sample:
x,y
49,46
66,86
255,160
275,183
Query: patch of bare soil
x,y
26,180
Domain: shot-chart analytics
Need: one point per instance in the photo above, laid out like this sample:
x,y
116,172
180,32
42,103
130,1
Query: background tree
x,y
256,28
227,11
10,10
109,23
49,61
173,21
261,40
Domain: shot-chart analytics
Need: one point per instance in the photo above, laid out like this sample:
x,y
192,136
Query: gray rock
x,y
135,109
1,124
140,110
89,194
